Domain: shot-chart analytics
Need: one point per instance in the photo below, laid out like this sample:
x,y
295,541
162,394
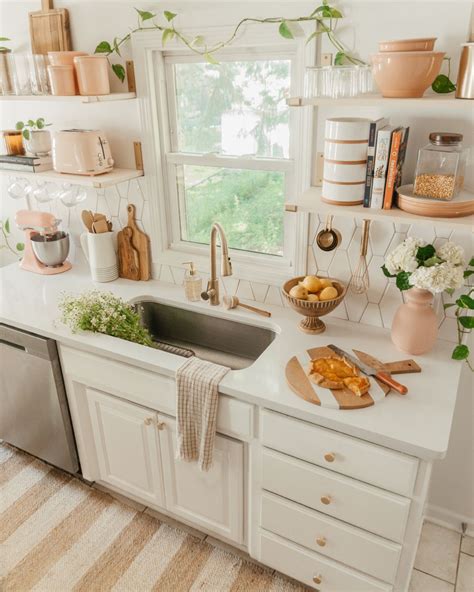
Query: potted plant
x,y
421,270
37,140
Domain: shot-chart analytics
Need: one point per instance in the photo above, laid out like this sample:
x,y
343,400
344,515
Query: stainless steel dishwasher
x,y
34,414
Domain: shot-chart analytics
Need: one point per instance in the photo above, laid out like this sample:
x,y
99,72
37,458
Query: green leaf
x,y
19,125
20,246
443,85
211,59
103,47
433,261
402,281
116,46
284,30
168,34
30,123
468,273
6,226
386,272
336,14
339,58
425,253
465,301
26,134
460,352
40,124
169,16
198,41
145,15
467,322
471,262
4,39
448,305
119,71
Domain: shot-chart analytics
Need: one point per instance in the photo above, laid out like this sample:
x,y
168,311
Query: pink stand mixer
x,y
46,247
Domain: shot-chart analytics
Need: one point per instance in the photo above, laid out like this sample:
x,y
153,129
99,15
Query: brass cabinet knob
x,y
326,500
321,541
318,579
148,421
330,456
160,425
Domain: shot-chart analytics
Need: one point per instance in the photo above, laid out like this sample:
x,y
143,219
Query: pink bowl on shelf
x,y
406,74
420,44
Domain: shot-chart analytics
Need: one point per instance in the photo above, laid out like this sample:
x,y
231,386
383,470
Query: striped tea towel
x,y
197,383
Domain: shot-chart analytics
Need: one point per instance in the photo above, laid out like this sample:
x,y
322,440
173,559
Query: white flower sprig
x,y
102,312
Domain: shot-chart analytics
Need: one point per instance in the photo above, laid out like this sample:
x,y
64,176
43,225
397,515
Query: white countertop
x,y
418,423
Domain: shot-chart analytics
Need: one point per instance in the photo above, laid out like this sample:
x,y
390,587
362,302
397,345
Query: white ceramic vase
x,y
39,143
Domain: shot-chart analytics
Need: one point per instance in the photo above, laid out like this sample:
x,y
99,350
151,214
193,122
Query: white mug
x,y
100,251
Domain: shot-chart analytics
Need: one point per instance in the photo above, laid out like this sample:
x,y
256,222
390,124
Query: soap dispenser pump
x,y
192,283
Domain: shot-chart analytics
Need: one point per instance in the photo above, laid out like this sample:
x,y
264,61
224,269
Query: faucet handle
x,y
208,293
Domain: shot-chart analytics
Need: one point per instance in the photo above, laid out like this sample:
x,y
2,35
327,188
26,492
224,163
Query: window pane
x,y
233,108
248,204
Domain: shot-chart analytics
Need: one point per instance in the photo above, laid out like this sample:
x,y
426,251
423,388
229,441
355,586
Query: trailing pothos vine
x,y
325,16
5,238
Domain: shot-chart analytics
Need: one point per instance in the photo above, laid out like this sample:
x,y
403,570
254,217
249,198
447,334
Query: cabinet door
x,y
212,499
127,446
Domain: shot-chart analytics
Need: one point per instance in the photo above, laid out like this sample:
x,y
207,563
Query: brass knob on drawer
x,y
321,541
326,500
148,421
160,425
317,579
330,456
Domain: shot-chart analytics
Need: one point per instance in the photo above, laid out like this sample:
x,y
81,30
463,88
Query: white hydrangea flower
x,y
437,278
451,253
403,256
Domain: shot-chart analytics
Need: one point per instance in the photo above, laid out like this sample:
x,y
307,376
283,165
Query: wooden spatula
x,y
49,29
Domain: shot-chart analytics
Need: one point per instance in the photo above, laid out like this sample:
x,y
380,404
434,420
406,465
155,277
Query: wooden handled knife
x,y
379,374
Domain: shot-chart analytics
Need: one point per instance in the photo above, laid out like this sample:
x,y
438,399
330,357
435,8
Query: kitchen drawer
x,y
306,566
373,509
150,389
373,464
349,545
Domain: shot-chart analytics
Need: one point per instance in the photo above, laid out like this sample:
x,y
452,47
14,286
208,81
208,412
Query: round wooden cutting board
x,y
296,375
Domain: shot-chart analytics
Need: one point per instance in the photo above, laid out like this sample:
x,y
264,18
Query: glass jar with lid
x,y
440,167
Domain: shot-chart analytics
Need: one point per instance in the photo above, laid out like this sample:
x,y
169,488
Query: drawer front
x,y
152,390
330,537
310,568
373,509
367,462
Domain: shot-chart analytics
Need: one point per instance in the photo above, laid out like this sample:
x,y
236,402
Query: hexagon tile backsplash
x,y
376,307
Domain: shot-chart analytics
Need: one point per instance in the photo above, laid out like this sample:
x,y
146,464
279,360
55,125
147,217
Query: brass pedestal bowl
x,y
313,310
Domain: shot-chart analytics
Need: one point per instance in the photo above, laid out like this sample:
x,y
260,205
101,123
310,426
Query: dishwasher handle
x,y
32,344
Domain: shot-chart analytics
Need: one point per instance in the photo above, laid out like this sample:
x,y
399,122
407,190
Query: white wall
x,y
453,489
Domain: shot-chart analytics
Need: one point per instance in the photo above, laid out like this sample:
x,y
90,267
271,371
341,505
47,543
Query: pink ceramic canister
x,y
62,80
64,58
92,75
415,324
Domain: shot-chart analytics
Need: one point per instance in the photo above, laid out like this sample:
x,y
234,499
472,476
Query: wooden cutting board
x,y
49,29
141,243
129,263
296,376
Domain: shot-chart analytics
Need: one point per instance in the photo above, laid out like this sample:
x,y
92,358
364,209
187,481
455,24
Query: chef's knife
x,y
379,374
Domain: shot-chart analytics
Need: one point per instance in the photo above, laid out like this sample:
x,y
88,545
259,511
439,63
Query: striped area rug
x,y
59,535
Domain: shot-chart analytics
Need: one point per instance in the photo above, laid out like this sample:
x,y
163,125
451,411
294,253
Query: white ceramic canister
x,y
345,160
100,252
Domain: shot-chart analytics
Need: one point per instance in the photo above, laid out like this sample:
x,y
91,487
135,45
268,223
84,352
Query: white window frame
x,y
151,61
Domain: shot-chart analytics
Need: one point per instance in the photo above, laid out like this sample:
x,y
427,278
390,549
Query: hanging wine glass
x,y
19,188
45,191
72,195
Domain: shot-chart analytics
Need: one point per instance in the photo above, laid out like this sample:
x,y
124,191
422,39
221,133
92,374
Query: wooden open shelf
x,y
377,99
98,181
72,99
310,201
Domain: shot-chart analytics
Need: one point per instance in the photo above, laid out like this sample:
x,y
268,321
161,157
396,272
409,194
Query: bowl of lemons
x,y
313,297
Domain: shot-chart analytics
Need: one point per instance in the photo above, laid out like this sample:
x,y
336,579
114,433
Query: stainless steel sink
x,y
187,333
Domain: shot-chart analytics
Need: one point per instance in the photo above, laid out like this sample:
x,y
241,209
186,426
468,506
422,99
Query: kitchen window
x,y
229,155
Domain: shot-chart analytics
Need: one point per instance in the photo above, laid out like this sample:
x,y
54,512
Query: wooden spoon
x,y
234,302
87,219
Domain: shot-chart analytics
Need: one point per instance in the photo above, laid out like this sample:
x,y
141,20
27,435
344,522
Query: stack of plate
x,y
462,205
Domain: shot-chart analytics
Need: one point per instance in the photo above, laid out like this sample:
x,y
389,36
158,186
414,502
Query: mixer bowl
x,y
51,249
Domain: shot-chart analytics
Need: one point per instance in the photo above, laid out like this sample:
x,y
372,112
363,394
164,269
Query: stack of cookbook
x,y
25,164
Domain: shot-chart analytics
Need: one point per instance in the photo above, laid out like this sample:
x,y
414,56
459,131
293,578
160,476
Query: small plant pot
x,y
39,143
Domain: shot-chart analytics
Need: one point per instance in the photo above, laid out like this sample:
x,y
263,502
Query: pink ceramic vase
x,y
415,325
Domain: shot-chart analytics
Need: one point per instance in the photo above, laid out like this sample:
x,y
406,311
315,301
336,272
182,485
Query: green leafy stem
x,y
39,124
325,17
464,321
2,47
5,238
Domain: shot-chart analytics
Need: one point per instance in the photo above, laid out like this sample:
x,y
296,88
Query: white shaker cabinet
x,y
127,446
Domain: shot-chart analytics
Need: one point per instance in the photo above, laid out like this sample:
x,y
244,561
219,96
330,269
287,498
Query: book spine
x,y
24,167
370,163
380,168
392,170
19,159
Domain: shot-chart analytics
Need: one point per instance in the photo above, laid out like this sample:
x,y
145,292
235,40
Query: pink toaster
x,y
81,152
